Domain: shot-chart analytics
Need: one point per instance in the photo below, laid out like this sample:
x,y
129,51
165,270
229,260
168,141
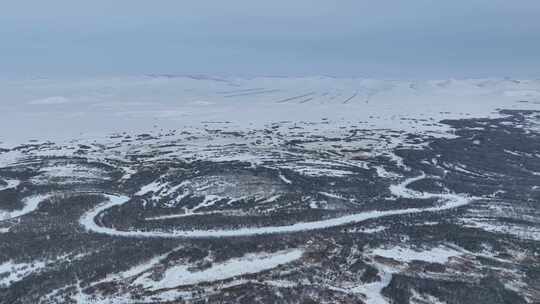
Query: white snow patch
x,y
67,174
154,187
372,230
285,179
446,201
10,184
30,204
417,298
136,270
439,254
88,219
373,290
270,199
520,231
11,272
248,264
184,100
331,195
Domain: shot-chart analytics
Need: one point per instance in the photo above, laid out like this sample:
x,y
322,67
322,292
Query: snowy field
x,y
192,189
139,104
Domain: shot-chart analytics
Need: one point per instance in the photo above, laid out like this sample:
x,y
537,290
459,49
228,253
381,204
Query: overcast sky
x,y
384,38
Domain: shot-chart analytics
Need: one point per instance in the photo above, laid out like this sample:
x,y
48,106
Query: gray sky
x,y
389,39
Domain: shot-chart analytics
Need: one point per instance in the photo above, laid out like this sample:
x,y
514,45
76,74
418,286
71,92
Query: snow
x,y
164,297
136,270
9,158
30,204
526,232
88,219
281,283
401,190
11,272
318,106
372,291
316,170
154,187
180,275
369,230
271,199
249,264
447,201
439,254
67,174
504,218
10,184
418,298
284,179
382,172
141,103
331,195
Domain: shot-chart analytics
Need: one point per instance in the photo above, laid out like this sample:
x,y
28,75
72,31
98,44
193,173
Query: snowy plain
x,y
99,106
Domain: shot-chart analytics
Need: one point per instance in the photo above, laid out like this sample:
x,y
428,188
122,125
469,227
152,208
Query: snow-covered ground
x,y
439,254
11,272
214,175
10,184
174,276
66,174
446,201
248,264
86,107
30,204
372,291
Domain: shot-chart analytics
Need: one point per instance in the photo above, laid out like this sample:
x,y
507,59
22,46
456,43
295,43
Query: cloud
x,y
49,101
